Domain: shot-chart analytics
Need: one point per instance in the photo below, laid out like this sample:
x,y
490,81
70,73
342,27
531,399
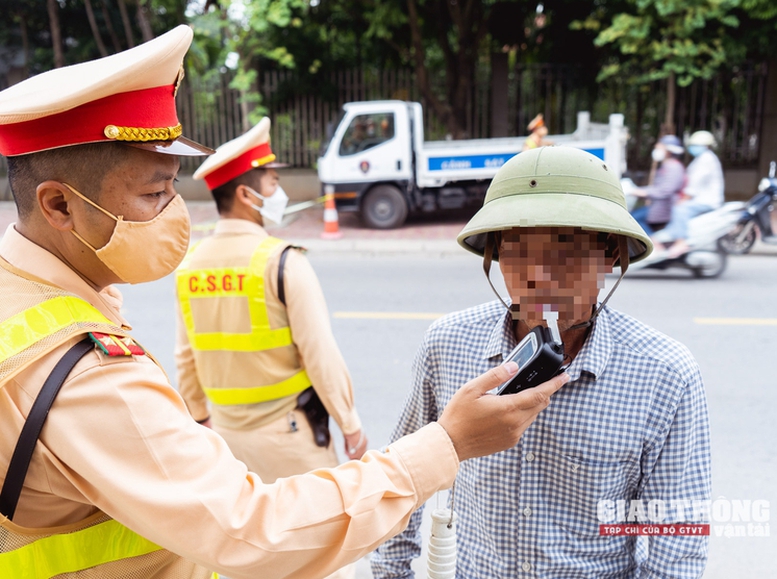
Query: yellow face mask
x,y
127,252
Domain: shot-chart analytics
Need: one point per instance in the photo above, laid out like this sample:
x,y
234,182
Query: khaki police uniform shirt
x,y
314,348
119,438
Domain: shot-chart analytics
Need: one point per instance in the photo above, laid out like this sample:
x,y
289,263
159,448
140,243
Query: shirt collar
x,y
501,341
597,349
592,358
30,257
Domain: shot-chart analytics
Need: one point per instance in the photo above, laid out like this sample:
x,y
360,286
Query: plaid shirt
x,y
631,423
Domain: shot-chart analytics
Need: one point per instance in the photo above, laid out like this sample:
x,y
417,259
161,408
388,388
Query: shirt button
x,y
575,467
526,566
529,456
527,512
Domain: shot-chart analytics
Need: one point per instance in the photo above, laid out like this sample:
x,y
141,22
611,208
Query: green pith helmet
x,y
555,187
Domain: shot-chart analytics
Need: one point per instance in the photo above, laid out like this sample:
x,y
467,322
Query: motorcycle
x,y
756,219
706,258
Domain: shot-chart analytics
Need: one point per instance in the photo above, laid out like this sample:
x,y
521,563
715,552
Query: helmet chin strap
x,y
488,257
623,260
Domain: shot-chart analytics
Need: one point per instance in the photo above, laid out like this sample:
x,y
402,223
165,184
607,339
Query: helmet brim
x,y
542,210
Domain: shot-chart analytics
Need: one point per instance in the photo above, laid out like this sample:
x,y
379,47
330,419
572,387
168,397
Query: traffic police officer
x,y
254,336
120,480
268,325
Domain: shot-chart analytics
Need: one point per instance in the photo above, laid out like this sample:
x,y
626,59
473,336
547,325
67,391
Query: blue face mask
x,y
696,150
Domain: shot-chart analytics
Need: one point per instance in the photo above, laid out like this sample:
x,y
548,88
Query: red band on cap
x,y
239,165
150,108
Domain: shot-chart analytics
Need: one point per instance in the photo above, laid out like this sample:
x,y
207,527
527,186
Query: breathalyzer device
x,y
539,358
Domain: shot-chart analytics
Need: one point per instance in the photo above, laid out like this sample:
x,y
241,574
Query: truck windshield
x,y
367,131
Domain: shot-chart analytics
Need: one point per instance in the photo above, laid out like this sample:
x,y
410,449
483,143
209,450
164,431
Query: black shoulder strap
x,y
281,264
22,454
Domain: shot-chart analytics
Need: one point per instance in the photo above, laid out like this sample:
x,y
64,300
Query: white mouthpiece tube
x,y
551,318
441,562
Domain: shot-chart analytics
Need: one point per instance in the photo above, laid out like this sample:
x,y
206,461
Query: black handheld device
x,y
539,358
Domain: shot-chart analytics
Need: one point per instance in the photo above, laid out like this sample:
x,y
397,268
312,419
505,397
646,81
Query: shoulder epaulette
x,y
112,345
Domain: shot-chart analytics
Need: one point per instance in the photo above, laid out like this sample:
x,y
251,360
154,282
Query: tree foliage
x,y
86,29
656,39
449,43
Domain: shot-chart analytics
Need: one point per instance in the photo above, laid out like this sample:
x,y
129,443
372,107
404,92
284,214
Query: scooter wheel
x,y
713,264
739,240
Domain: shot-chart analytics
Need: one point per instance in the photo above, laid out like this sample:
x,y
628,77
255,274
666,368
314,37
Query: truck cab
x,y
369,160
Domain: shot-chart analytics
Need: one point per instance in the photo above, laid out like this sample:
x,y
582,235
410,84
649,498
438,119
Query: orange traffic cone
x,y
331,225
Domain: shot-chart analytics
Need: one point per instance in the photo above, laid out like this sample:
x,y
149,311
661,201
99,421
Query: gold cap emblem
x,y
111,131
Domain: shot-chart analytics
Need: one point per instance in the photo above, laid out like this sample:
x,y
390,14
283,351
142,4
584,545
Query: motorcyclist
x,y
703,191
666,188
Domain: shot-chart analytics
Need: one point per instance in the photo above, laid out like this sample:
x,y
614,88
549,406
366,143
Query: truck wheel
x,y
384,207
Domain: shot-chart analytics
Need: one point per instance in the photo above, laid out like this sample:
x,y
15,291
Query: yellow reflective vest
x,y
231,302
35,319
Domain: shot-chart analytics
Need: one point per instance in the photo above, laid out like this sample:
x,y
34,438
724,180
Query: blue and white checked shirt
x,y
631,423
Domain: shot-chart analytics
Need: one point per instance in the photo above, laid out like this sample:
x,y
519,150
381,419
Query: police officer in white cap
x,y
287,375
102,467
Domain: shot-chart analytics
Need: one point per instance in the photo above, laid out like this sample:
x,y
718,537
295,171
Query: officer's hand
x,y
480,424
355,444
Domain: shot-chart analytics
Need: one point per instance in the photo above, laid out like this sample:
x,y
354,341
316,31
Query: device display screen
x,y
525,352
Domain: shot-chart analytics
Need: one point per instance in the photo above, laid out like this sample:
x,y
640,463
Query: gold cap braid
x,y
139,134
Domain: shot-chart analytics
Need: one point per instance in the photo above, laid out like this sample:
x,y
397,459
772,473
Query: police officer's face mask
x,y
274,206
140,251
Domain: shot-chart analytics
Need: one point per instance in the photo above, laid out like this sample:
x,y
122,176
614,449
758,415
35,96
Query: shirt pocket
x,y
576,486
572,542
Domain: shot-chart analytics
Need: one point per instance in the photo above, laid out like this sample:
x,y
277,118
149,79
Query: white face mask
x,y
273,206
658,155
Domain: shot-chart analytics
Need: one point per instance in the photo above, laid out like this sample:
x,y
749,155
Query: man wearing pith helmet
x,y
286,376
631,424
103,471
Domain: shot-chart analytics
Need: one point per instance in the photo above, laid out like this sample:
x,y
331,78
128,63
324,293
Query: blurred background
x,y
480,68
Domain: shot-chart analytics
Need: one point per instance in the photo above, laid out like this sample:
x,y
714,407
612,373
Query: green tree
x,y
676,40
239,35
56,33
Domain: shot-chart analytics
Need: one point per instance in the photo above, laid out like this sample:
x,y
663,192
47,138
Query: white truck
x,y
378,163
